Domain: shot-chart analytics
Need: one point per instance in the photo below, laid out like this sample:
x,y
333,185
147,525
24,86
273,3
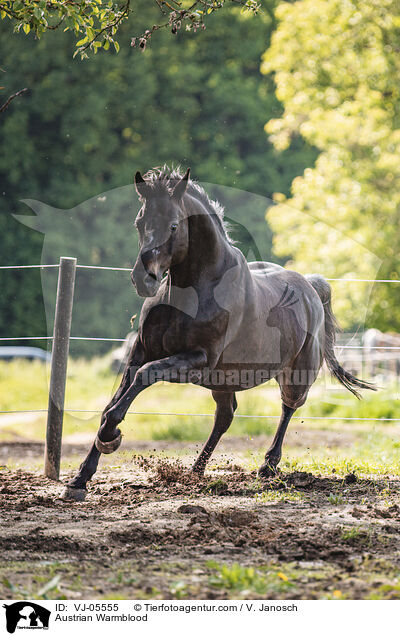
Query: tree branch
x,y
99,27
124,12
192,16
9,100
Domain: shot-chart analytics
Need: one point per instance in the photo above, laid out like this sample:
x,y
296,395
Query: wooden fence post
x,y
59,361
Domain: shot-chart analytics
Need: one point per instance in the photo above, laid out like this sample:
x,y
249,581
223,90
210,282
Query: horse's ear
x,y
181,186
140,185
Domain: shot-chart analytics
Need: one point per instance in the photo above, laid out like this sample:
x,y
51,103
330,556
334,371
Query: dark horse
x,y
213,319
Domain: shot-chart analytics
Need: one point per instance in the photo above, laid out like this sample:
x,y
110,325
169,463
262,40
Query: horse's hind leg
x,y
76,488
274,453
226,406
294,384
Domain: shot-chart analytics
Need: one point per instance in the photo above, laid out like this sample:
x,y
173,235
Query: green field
x,y
369,446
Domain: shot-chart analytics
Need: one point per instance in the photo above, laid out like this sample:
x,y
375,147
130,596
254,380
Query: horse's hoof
x,y
267,470
73,494
108,447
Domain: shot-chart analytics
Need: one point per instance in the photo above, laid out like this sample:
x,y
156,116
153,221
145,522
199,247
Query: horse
x,y
382,352
211,318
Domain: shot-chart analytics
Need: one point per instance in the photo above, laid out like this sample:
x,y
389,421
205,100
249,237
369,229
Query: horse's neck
x,y
209,252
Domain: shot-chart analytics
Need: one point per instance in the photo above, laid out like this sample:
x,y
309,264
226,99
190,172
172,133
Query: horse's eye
x,y
174,227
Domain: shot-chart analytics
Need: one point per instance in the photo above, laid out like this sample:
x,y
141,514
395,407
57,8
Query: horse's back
x,y
273,279
264,268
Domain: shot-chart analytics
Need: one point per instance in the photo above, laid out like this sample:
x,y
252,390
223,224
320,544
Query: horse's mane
x,y
162,180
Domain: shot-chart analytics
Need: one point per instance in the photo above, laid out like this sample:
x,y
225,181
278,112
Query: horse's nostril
x,y
153,276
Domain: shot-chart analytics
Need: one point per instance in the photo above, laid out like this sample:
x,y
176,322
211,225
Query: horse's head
x,y
163,232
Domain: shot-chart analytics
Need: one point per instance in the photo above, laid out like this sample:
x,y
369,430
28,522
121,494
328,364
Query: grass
x,y
374,453
373,449
387,591
335,499
90,385
384,403
356,534
279,496
248,581
216,487
122,579
44,587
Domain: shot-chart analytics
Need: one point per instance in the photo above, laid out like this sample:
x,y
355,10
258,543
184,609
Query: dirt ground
x,y
149,529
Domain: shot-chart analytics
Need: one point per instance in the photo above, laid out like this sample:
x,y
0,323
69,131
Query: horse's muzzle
x,y
146,284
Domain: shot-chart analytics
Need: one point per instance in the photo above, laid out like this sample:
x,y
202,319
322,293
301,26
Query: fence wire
x,y
211,415
128,269
369,348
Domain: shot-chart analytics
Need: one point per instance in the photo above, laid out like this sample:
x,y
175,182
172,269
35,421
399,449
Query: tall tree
x,y
337,72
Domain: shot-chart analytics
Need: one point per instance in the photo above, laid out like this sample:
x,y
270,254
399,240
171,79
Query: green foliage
x,y
337,72
85,127
96,22
335,498
357,535
247,580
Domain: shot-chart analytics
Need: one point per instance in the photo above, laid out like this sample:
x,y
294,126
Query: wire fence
x,y
211,415
385,349
128,269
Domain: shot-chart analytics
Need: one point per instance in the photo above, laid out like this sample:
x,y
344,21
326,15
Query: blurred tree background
x,y
337,71
86,126
330,154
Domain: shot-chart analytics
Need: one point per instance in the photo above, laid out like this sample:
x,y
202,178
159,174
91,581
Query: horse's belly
x,y
256,345
238,377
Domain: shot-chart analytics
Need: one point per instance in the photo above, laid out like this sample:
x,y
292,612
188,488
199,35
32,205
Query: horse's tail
x,y
348,380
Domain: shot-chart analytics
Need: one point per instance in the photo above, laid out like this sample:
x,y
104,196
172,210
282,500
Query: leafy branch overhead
x,y
96,22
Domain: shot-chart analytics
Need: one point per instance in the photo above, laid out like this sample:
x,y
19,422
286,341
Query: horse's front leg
x,y
76,488
109,436
183,367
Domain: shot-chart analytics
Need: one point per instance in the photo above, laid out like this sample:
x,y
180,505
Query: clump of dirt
x,y
351,478
301,480
174,477
172,472
188,509
234,518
